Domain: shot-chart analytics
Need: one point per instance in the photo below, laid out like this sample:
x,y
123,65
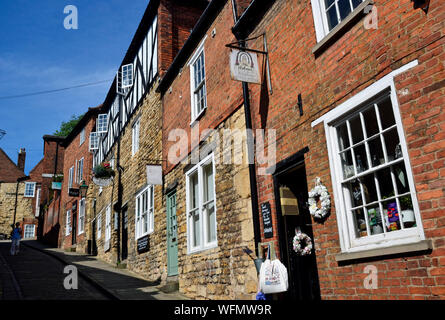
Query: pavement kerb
x,y
97,285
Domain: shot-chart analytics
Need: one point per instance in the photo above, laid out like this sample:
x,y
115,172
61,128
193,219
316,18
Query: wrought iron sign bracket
x,y
235,45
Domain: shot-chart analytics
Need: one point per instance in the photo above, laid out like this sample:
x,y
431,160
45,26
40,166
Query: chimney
x,y
21,159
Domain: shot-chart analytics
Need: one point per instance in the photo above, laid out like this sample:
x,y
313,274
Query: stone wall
x,y
152,263
224,272
7,204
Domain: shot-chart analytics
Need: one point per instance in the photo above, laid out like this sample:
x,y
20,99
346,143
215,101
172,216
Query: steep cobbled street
x,y
33,275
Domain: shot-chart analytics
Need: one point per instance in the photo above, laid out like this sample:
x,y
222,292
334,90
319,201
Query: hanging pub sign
x,y
244,66
154,175
143,244
73,192
267,220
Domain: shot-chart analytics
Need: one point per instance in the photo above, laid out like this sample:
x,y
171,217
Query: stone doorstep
x,y
170,287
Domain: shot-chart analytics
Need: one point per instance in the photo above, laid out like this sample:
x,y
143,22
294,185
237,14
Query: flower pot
x,y
408,216
377,229
102,182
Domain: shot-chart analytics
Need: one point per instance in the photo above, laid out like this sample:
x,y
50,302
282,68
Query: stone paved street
x,y
37,276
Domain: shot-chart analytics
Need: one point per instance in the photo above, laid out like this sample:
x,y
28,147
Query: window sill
x,y
341,28
201,250
198,117
423,245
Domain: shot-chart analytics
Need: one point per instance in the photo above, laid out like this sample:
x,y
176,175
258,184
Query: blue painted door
x,y
172,235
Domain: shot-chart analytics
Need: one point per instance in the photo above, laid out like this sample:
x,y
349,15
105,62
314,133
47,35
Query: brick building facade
x,y
350,97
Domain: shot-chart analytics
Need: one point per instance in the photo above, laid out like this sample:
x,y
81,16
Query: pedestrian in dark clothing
x,y
16,235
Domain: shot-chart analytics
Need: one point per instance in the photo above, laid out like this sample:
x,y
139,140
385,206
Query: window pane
x,y
371,125
393,148
375,220
196,229
386,113
376,150
208,179
391,214
194,195
356,194
343,137
359,223
328,3
369,188
356,3
344,7
401,178
356,129
360,158
408,218
385,183
211,222
332,17
347,165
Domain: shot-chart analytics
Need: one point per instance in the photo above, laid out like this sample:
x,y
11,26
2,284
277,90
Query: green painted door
x,y
172,235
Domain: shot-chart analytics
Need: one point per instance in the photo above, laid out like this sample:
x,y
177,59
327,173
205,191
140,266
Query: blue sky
x,y
37,54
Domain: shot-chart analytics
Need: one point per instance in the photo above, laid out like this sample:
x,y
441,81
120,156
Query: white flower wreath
x,y
325,202
298,240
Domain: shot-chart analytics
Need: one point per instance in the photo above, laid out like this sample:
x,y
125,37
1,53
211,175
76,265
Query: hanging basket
x,y
102,182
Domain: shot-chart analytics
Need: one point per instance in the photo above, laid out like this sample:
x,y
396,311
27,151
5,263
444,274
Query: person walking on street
x,y
15,237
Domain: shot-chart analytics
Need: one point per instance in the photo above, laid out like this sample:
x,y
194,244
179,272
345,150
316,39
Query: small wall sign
x,y
267,220
73,192
143,244
244,66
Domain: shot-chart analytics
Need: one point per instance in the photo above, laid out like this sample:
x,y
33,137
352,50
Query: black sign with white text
x,y
267,220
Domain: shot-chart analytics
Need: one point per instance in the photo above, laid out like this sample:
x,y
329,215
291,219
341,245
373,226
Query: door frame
x,y
169,195
285,166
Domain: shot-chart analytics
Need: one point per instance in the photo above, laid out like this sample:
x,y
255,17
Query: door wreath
x,y
298,241
319,192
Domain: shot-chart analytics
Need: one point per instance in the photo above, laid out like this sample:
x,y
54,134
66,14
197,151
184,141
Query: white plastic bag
x,y
273,276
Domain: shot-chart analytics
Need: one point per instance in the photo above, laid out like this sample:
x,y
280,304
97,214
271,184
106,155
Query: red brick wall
x,y
356,60
175,21
224,96
73,153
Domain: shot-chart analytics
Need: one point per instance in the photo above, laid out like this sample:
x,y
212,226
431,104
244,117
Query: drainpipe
x,y
250,151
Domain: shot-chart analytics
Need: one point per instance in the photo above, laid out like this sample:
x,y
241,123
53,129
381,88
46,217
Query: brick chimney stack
x,y
21,159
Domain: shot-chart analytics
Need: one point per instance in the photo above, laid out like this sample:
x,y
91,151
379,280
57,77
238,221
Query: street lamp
x,y
83,188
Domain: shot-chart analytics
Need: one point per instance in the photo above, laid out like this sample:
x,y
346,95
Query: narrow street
x,y
33,275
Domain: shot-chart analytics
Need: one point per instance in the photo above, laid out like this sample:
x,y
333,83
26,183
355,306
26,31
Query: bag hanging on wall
x,y
273,276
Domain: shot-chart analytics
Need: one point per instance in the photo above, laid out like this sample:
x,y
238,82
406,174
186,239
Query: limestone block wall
x,y
224,272
7,203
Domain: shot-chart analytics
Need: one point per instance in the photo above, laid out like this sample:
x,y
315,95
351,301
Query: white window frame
x,y
139,220
30,190
70,178
102,123
400,237
81,219
27,226
320,18
37,212
82,136
135,135
205,244
68,223
195,114
127,76
108,223
79,171
94,141
99,226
